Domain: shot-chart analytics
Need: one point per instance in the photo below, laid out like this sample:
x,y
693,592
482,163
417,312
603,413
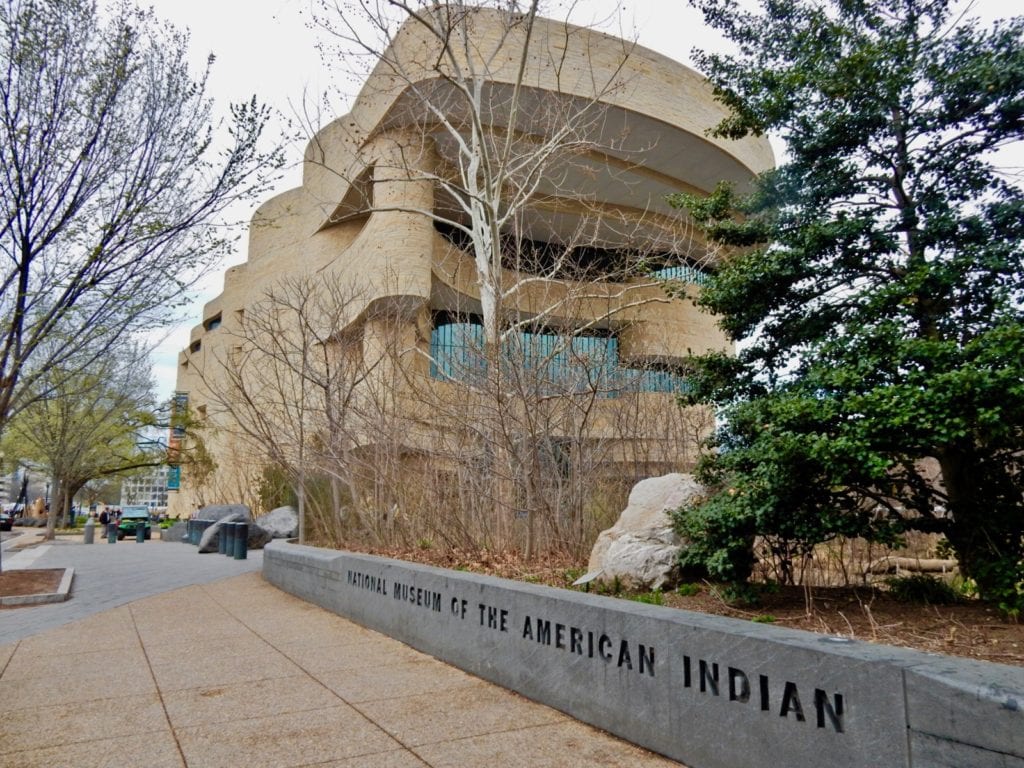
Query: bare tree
x,y
538,458
285,383
111,177
512,131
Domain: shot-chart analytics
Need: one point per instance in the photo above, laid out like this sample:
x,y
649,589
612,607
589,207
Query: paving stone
x,y
107,577
29,728
240,642
242,701
83,686
299,738
456,714
204,671
61,663
392,680
6,652
152,750
561,745
317,658
397,759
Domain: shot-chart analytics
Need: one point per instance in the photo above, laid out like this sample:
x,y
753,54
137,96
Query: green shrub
x,y
613,587
1006,585
688,590
741,593
655,597
569,575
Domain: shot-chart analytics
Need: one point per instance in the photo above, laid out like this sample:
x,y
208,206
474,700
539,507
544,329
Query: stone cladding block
x,y
709,691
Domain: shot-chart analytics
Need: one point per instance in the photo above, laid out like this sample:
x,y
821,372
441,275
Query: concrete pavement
x,y
230,671
109,575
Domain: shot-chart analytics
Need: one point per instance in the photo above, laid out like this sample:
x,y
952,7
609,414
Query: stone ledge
x,y
41,598
709,691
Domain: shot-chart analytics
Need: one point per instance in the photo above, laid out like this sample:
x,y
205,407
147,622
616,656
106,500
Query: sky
x,y
269,48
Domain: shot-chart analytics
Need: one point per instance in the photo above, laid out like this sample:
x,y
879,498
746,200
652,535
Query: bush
x,y
651,598
1006,585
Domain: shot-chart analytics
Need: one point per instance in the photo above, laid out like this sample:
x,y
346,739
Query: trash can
x,y
241,540
111,533
89,531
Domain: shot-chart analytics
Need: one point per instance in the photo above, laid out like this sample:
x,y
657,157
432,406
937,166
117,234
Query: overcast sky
x,y
268,48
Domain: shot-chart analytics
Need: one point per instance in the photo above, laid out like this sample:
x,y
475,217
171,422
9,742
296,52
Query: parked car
x,y
6,521
131,518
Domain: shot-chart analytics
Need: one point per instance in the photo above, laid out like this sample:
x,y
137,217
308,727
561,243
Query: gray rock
x,y
642,550
175,533
257,538
221,511
281,523
210,540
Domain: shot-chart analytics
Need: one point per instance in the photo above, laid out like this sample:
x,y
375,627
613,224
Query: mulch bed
x,y
968,628
29,581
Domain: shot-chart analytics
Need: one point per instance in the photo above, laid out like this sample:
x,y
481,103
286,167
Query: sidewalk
x,y
108,575
237,673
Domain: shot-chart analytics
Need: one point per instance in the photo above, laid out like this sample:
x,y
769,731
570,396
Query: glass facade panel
x,y
683,273
556,363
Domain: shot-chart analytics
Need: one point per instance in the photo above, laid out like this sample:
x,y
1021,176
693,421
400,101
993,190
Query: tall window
x,y
554,362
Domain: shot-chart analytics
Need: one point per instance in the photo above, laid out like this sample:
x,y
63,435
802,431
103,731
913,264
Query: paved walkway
x,y
109,575
233,672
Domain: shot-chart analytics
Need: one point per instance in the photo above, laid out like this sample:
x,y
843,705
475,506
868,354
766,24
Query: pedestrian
x,y
104,518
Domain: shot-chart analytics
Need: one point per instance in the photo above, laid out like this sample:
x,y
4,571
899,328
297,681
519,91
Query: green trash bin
x,y
241,541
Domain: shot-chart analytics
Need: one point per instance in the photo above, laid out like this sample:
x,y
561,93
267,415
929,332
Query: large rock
x,y
175,532
259,537
642,550
222,511
210,540
281,523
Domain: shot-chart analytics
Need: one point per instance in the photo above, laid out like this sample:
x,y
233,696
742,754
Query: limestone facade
x,y
377,181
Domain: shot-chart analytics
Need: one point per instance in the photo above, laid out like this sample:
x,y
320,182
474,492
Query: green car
x,y
131,518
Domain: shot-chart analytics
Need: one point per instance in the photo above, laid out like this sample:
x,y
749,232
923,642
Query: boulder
x,y
176,532
257,539
221,511
642,550
210,540
281,523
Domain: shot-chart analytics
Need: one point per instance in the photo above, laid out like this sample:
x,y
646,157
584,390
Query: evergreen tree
x,y
876,284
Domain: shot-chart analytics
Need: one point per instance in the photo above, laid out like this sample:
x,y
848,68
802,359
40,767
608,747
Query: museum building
x,y
573,139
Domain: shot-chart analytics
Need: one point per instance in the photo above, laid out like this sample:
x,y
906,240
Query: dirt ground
x,y
29,581
968,628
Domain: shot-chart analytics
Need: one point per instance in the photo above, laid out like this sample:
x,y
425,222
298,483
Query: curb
x,y
41,598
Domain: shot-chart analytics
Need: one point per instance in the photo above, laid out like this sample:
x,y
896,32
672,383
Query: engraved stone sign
x,y
709,691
